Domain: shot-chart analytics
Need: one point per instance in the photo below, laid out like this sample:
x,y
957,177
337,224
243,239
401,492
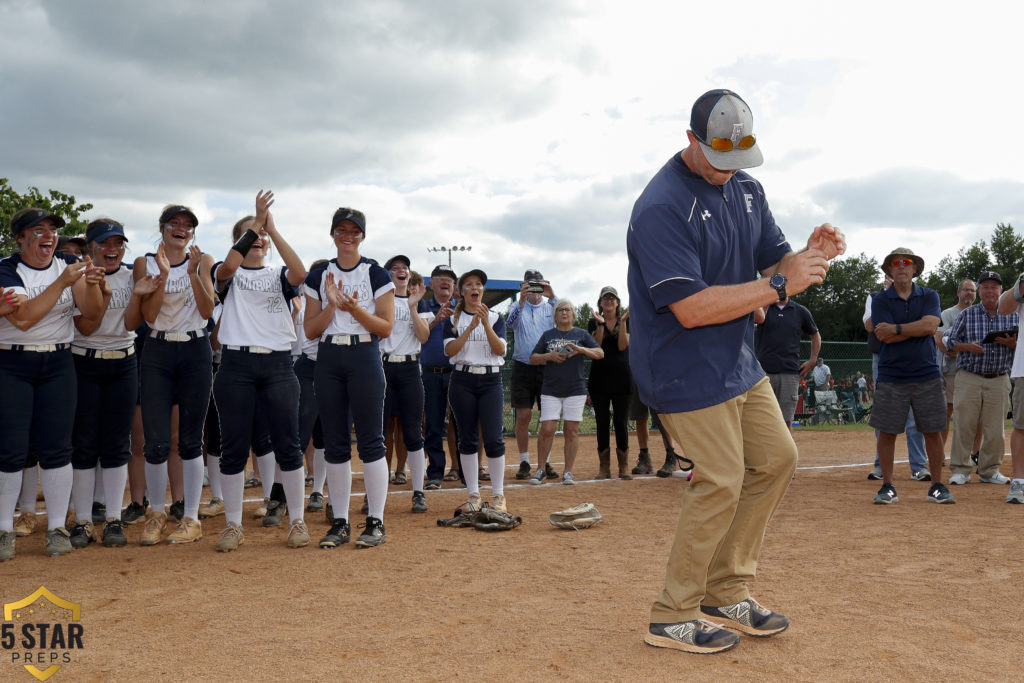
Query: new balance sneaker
x,y
524,470
113,534
374,534
960,478
875,474
698,636
749,617
58,542
298,535
921,475
498,502
938,493
214,508
176,511
99,513
315,503
339,533
886,495
25,524
7,545
188,531
568,479
549,471
997,478
539,476
152,532
1016,494
419,501
230,538
82,535
133,514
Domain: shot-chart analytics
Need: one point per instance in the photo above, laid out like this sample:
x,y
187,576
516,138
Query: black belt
x,y
987,375
436,370
175,336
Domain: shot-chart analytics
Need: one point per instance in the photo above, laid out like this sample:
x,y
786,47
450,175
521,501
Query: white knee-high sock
x,y
375,478
267,464
471,471
192,474
10,489
97,486
57,492
156,486
114,481
417,468
29,489
497,468
294,484
319,470
83,484
233,487
339,478
213,471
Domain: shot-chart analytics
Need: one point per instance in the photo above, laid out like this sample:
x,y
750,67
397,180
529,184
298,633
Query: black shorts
x,y
526,383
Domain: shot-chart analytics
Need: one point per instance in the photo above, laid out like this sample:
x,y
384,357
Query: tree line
x,y
837,304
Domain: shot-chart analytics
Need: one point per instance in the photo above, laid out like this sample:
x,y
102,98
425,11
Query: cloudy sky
x,y
523,129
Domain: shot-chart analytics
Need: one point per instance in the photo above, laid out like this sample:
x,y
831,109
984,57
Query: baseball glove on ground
x,y
581,516
461,519
489,519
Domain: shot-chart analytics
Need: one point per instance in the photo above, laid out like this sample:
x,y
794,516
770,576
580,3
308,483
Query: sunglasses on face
x,y
901,262
726,144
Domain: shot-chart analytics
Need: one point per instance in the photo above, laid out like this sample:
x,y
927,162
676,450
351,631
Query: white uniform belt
x,y
397,358
37,348
106,354
348,339
176,336
249,349
479,369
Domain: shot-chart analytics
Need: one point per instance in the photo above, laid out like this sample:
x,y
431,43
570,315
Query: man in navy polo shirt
x,y
905,316
697,238
779,329
436,374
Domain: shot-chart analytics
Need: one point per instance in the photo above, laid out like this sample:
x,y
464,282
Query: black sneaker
x,y
749,617
524,470
875,474
974,459
133,514
697,636
374,534
339,533
366,506
938,493
419,501
82,535
99,513
550,472
433,485
176,511
275,514
113,535
887,495
316,502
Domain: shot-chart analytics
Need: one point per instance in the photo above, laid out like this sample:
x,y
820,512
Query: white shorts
x,y
569,407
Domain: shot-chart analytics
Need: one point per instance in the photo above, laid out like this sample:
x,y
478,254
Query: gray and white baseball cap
x,y
723,124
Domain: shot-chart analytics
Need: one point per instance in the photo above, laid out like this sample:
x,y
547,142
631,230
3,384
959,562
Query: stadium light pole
x,y
449,250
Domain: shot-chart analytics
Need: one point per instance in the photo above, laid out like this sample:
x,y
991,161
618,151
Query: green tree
x,y
838,303
946,276
64,205
1007,252
583,313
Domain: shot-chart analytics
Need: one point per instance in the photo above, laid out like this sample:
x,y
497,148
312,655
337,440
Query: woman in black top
x,y
609,384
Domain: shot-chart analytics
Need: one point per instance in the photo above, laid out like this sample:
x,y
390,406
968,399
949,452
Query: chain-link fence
x,y
844,359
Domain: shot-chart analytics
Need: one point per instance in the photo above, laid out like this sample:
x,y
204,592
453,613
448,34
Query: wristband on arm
x,y
245,242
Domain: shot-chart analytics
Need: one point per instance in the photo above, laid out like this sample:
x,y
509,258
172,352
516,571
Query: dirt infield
x,y
912,591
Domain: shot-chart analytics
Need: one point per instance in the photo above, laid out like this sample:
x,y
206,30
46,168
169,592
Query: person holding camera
x,y
529,317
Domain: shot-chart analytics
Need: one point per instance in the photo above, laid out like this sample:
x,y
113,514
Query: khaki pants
x,y
744,459
976,399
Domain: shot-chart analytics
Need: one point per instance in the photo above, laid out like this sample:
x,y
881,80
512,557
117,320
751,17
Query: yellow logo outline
x,y
43,592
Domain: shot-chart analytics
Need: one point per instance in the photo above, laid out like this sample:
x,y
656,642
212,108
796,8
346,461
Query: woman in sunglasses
x,y
350,306
256,380
41,289
177,368
474,339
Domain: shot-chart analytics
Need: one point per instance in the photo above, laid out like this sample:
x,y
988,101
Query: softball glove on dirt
x,y
582,516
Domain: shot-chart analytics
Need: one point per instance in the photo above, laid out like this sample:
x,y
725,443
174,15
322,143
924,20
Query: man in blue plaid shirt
x,y
982,382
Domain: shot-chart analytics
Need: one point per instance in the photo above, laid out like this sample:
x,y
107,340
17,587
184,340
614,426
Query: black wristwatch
x,y
778,283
